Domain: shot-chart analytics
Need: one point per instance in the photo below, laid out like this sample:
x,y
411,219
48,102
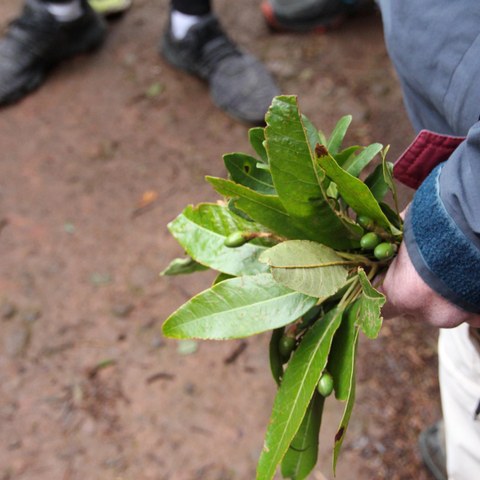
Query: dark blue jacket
x,y
435,47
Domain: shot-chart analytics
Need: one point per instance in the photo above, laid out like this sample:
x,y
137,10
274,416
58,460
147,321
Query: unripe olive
x,y
369,241
235,239
286,345
384,250
325,384
366,222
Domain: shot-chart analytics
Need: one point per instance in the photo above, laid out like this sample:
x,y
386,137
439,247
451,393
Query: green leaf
x,y
181,266
347,413
306,267
355,193
298,385
388,174
237,308
377,184
202,230
256,136
346,154
221,277
392,215
243,170
276,360
338,134
342,355
369,313
297,178
357,163
264,209
312,134
302,455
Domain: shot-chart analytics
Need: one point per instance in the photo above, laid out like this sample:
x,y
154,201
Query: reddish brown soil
x,y
79,264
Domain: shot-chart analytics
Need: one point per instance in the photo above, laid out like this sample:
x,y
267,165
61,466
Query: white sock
x,y
65,12
181,23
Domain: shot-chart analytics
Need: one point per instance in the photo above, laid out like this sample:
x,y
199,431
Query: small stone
x,y
157,341
122,310
189,388
31,315
14,443
7,310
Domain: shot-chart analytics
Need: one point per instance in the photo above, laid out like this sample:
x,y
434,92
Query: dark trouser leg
x,y
191,7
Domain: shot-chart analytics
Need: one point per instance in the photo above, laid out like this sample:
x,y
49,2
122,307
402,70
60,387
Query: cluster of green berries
x,y
286,345
372,241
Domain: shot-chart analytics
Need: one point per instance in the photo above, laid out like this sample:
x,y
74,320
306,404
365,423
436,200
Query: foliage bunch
x,y
298,242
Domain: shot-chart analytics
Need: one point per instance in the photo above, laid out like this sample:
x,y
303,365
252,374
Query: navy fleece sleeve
x,y
442,228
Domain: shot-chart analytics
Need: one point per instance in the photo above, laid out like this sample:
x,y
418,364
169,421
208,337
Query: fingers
x,y
408,295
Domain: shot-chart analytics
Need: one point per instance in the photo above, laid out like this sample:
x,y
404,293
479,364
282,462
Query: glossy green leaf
x,y
297,178
342,355
369,313
307,267
312,134
347,154
357,163
392,215
237,308
296,390
388,174
347,413
243,170
221,277
336,138
355,193
256,136
202,230
301,457
267,210
377,184
276,360
182,266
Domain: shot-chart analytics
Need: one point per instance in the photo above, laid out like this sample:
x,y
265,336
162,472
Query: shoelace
x,y
213,44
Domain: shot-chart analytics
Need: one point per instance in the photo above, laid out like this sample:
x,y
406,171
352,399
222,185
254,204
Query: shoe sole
x,y
323,26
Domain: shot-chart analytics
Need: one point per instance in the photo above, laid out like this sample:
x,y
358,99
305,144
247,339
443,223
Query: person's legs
x,y
195,42
189,7
45,33
459,370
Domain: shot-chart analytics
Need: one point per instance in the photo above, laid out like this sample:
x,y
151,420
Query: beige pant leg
x,y
459,371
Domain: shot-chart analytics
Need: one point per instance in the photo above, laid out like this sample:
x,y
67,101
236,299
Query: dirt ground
x,y
89,388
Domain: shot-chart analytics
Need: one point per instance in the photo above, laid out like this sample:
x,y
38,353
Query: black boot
x,y
35,42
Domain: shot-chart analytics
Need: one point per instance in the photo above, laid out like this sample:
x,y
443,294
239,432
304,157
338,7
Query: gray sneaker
x,y
239,84
432,450
35,42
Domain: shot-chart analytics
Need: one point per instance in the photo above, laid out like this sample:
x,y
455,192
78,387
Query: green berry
x,y
366,222
286,345
325,384
384,251
369,241
235,239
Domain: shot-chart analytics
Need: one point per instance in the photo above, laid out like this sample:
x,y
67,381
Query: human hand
x,y
409,296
